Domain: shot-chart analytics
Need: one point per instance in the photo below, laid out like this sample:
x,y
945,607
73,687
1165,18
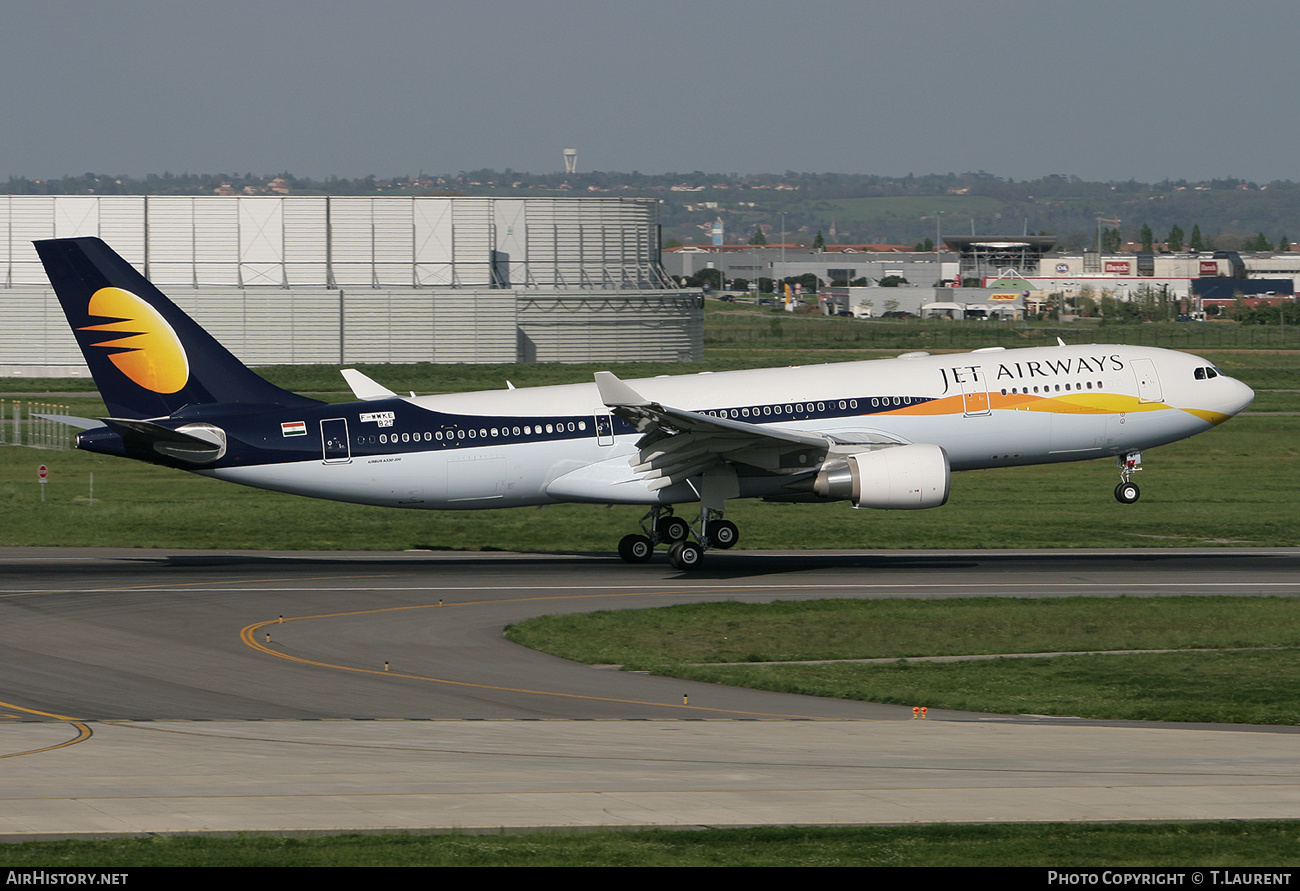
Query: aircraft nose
x,y
1238,396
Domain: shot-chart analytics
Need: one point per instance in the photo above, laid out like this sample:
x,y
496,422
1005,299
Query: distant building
x,y
837,262
991,255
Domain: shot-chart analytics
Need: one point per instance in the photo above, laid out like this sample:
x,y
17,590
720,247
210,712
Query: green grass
x,y
802,630
1252,687
1258,844
1249,676
742,326
1275,401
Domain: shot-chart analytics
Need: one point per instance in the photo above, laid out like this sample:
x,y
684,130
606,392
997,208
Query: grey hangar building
x,y
285,280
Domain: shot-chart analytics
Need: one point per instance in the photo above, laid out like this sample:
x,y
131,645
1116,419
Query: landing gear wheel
x,y
685,555
723,534
671,529
1127,493
635,549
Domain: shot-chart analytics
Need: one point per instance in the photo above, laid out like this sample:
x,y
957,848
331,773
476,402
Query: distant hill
x,y
844,208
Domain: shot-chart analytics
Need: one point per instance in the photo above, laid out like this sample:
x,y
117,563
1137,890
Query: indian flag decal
x,y
293,428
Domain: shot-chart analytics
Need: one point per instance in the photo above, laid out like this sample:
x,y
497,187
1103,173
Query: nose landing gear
x,y
1127,492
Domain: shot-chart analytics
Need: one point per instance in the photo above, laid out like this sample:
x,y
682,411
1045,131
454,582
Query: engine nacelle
x,y
909,477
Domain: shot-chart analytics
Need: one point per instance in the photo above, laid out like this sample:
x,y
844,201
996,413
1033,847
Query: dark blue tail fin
x,y
147,356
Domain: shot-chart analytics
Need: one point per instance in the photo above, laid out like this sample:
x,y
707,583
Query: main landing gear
x,y
662,527
1127,492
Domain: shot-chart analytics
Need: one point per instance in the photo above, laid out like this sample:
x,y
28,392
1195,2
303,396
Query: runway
x,y
149,691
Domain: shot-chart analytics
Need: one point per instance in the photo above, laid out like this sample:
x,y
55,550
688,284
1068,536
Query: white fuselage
x,y
990,408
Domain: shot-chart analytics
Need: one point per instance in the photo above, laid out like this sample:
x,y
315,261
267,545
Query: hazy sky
x,y
1100,89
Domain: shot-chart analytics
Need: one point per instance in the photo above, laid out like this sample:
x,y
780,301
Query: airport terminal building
x,y
317,279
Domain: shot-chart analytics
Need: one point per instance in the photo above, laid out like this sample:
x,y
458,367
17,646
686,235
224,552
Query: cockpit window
x,y
1205,373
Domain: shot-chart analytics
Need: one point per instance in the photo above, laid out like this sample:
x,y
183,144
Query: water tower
x,y
570,160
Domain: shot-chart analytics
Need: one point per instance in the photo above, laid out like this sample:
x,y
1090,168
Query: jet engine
x,y
909,477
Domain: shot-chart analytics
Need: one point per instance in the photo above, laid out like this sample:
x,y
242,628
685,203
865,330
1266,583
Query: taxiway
x,y
198,691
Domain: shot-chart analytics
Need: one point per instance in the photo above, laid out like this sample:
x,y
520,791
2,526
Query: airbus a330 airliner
x,y
882,434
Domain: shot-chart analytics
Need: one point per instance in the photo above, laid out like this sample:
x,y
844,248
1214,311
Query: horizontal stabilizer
x,y
71,421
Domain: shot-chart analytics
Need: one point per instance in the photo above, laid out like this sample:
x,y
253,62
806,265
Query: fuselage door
x,y
1148,382
975,396
604,430
334,441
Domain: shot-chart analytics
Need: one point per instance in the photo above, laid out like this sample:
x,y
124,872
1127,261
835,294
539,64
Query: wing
x,y
676,444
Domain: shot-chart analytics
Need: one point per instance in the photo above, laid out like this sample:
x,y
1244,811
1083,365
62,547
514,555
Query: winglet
x,y
614,392
364,388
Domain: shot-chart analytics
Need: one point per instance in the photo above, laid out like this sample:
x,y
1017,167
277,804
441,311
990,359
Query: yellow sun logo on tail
x,y
151,353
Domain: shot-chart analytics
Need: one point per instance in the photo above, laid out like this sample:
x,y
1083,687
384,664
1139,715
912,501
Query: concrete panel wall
x,y
297,326
423,326
610,327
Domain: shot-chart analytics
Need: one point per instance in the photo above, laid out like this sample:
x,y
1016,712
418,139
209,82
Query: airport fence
x,y
35,424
